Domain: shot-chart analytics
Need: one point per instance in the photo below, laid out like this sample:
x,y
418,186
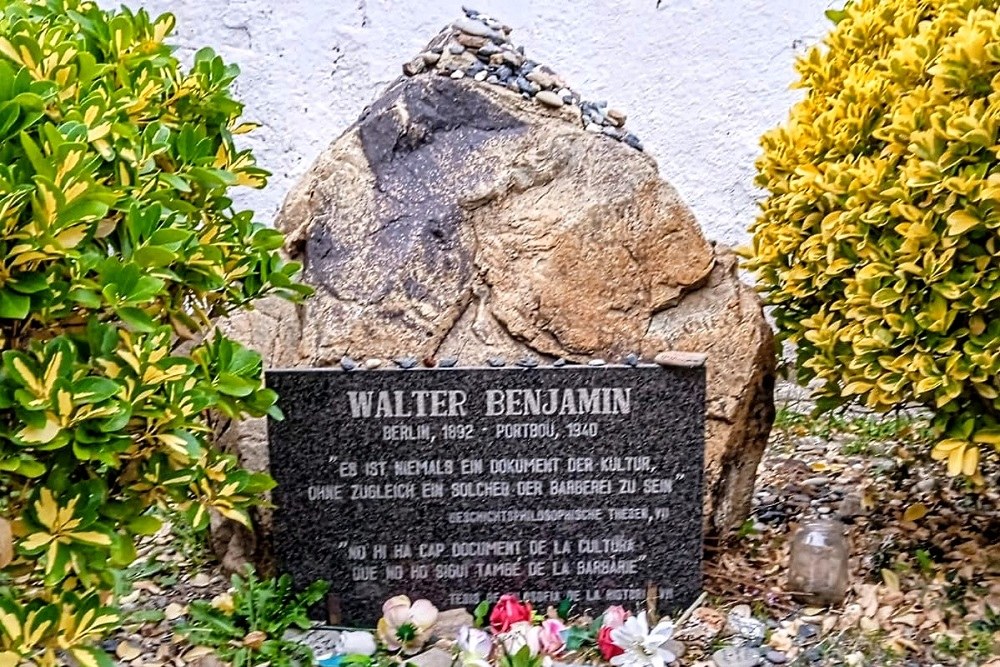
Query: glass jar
x,y
817,568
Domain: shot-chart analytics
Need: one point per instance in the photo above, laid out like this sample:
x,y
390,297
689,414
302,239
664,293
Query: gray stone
x,y
527,362
348,364
457,74
447,362
405,362
481,75
431,58
806,632
633,141
776,657
495,362
596,362
613,132
594,127
414,67
736,656
488,50
456,49
434,657
373,363
548,98
362,480
632,359
477,28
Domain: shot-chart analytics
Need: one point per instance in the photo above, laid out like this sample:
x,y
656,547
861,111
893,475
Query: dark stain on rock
x,y
422,140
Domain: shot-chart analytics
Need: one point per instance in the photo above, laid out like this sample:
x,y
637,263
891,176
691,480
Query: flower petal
x,y
423,614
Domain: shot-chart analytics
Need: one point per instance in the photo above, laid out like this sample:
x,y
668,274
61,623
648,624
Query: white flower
x,y
643,648
357,642
474,646
521,634
404,625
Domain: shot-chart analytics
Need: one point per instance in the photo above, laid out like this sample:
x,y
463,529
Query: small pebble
x,y
548,98
504,72
632,359
558,363
457,74
488,50
492,78
596,362
633,141
823,509
373,363
612,132
736,656
527,362
475,27
405,362
776,657
481,75
616,117
594,128
806,631
456,49
414,67
348,364
447,362
431,58
496,362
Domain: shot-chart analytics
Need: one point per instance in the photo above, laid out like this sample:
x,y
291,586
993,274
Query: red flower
x,y
607,647
509,610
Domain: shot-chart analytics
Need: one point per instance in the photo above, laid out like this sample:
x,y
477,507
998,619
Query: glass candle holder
x,y
817,568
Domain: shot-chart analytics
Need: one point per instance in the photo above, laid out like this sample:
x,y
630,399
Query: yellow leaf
x,y
11,626
36,540
956,460
943,449
52,371
33,384
915,512
9,658
92,537
970,462
42,434
960,222
46,508
891,580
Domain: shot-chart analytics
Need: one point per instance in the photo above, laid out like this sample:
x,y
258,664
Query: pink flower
x,y
607,647
508,611
551,637
614,617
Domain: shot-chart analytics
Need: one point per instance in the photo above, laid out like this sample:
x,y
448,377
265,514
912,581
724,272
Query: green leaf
x,y
137,319
14,306
145,525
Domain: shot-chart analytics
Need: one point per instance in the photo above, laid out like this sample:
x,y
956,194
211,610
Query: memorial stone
x,y
462,484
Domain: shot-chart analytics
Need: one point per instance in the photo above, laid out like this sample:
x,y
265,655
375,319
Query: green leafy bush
x,y
247,627
877,244
119,247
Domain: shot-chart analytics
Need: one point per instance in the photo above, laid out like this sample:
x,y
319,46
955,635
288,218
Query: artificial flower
x,y
519,635
641,646
404,625
475,647
508,611
607,647
356,642
614,617
552,636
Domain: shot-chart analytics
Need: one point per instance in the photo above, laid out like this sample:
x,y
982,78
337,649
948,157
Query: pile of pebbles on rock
x,y
478,47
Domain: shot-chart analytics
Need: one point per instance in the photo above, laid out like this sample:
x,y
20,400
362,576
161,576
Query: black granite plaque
x,y
462,484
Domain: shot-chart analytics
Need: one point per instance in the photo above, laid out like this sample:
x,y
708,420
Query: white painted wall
x,y
699,79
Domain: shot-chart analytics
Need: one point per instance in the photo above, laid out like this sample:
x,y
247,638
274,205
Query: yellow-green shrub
x,y
119,246
878,245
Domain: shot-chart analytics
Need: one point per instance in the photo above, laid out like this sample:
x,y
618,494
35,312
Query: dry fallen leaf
x,y
891,580
254,639
128,651
174,611
915,512
6,543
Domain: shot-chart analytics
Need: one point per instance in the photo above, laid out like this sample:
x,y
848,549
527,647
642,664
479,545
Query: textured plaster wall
x,y
699,79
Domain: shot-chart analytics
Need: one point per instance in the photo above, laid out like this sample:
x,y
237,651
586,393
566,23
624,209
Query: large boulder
x,y
461,219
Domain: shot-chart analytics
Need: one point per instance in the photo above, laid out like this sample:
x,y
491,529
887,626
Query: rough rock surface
x,y
458,219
